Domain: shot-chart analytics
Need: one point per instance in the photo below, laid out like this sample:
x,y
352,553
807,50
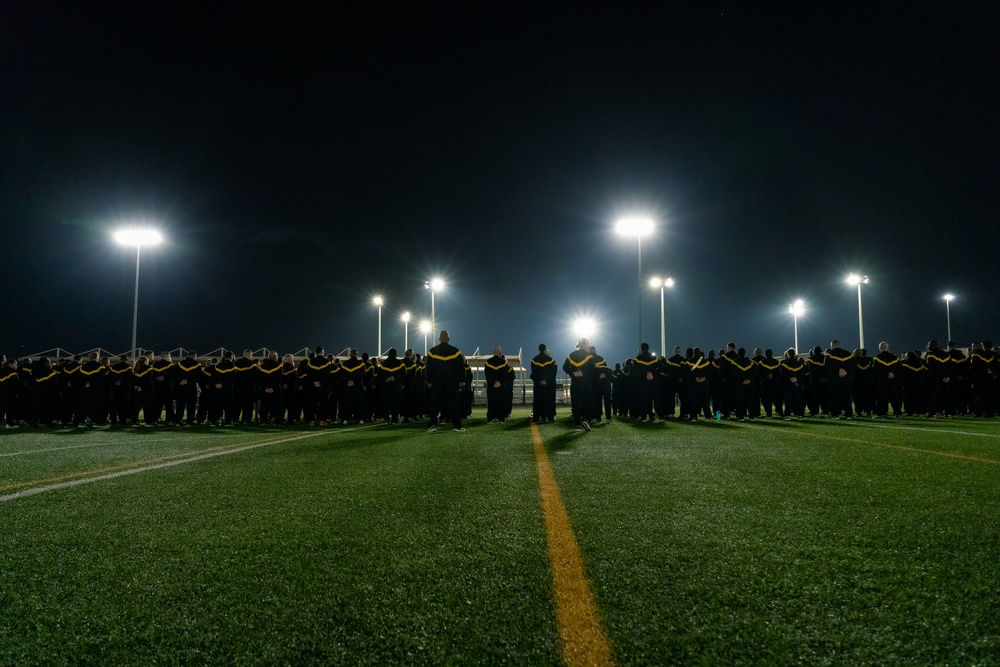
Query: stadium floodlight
x,y
434,285
947,307
138,237
406,330
637,226
859,280
584,327
378,301
425,326
662,283
797,309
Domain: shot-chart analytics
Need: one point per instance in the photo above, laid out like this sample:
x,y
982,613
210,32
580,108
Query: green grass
x,y
773,542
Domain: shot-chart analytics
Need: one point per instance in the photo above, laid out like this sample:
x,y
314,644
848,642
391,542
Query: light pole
x,y
797,309
947,307
406,331
662,283
637,227
378,302
138,237
434,285
855,279
425,326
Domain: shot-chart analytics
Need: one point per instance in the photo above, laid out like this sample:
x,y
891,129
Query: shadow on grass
x,y
564,442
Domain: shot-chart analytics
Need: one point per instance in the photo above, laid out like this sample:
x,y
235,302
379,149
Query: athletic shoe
x,y
586,426
459,430
431,429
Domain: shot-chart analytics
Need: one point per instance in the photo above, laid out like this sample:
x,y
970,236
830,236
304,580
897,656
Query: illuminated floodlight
x,y
635,226
425,326
405,316
854,279
797,308
949,297
584,327
434,284
378,301
659,283
138,236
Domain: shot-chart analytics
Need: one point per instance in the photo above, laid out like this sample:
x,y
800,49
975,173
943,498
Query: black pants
x,y
445,394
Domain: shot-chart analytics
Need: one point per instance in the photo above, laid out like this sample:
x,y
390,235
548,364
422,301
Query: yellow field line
x,y
124,466
932,452
581,633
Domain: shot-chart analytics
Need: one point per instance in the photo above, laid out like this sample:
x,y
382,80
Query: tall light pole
x,y
138,237
662,283
637,227
797,309
378,302
425,326
855,279
434,285
406,331
947,307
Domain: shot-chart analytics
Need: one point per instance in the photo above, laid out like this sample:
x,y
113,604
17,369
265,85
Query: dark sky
x,y
301,162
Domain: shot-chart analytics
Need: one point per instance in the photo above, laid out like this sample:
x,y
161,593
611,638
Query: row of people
x,y
831,383
151,390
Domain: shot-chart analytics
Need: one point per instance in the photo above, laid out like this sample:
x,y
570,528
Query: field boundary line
x,y
78,479
889,427
105,443
904,448
582,637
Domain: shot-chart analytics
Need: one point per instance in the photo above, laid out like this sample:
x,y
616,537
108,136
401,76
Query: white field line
x,y
104,443
158,466
929,430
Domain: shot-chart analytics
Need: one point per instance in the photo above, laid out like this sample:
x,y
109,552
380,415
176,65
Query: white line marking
x,y
930,430
96,444
158,466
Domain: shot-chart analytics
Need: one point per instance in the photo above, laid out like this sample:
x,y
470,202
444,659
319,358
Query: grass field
x,y
771,542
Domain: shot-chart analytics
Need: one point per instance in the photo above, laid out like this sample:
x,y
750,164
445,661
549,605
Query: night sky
x,y
300,163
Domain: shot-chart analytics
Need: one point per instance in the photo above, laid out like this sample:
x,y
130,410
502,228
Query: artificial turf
x,y
772,542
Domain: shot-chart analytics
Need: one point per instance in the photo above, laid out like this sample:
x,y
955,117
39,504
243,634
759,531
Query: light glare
x,y
425,326
635,226
797,308
406,316
377,301
949,297
138,236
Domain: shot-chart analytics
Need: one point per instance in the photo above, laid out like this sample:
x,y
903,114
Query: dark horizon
x,y
298,167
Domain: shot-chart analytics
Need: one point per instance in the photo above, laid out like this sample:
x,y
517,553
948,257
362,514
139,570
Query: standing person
x,y
119,377
409,409
886,371
290,404
769,384
914,379
961,397
392,375
269,380
676,384
163,390
10,390
495,369
939,388
840,372
543,378
700,374
445,379
819,382
222,411
645,378
91,392
862,388
245,380
189,373
602,387
352,388
982,363
579,366
792,375
142,389
742,375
